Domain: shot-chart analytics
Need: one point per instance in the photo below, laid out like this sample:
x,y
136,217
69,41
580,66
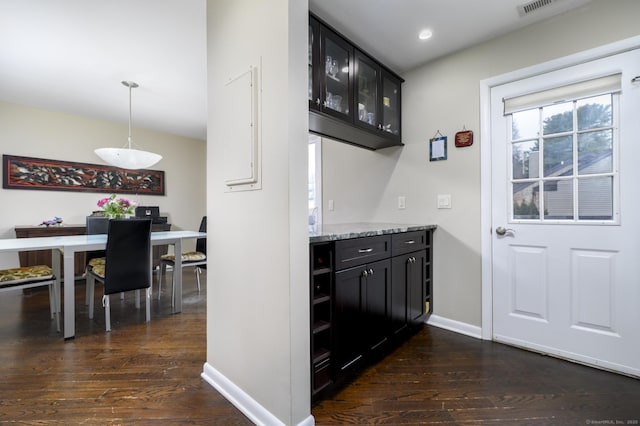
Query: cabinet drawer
x,y
407,242
357,251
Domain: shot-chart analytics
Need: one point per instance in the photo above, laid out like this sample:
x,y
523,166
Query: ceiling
x,y
71,55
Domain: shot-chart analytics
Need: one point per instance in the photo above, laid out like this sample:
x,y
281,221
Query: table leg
x,y
55,265
177,275
69,294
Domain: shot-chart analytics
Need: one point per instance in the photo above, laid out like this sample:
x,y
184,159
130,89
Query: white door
x,y
566,213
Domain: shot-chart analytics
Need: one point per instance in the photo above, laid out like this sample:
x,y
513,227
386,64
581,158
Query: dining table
x,y
63,249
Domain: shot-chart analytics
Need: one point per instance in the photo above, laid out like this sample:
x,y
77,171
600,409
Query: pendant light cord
x,y
130,85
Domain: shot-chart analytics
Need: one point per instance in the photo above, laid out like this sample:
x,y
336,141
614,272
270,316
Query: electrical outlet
x,y
401,202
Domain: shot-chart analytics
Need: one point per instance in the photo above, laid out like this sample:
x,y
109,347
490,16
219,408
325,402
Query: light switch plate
x,y
444,201
401,202
330,206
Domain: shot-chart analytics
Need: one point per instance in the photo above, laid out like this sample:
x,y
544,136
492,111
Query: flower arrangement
x,y
116,208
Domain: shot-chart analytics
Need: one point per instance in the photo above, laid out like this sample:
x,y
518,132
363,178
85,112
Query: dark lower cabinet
x,y
367,295
362,313
408,290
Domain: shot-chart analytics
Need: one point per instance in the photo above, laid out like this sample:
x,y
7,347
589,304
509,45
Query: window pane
x,y
526,200
558,199
595,152
558,156
595,198
594,112
525,124
557,118
525,161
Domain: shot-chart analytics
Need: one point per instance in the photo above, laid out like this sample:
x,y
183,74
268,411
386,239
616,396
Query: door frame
x,y
486,154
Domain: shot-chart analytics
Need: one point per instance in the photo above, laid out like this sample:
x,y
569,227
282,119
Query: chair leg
x,y
163,270
138,299
91,285
173,287
107,312
52,300
198,277
86,290
148,303
54,296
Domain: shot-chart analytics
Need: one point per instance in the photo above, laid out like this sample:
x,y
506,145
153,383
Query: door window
x,y
563,161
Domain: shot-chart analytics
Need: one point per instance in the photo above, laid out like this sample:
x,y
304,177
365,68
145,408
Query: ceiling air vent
x,y
532,6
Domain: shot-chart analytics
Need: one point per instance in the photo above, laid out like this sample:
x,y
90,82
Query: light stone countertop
x,y
343,231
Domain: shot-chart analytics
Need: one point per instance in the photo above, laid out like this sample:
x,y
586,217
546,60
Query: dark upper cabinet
x,y
377,98
352,97
330,73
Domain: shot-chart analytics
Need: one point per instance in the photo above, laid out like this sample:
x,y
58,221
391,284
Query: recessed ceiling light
x,y
425,34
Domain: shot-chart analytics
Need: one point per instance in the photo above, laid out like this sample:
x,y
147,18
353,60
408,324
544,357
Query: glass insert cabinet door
x,y
314,55
367,75
336,54
390,104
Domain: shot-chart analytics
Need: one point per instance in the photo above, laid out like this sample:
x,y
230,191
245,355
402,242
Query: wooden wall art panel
x,y
56,175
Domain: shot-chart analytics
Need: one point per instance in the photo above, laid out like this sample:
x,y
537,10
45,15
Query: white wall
x,y
444,95
258,286
31,132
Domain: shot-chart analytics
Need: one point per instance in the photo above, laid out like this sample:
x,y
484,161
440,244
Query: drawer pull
x,y
410,242
367,250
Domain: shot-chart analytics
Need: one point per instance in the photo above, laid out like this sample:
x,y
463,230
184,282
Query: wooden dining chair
x,y
33,276
127,264
196,259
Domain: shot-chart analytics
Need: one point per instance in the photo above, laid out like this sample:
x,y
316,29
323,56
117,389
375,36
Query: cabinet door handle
x,y
370,271
365,273
318,101
367,250
410,242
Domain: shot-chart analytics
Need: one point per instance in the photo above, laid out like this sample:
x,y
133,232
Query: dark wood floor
x,y
139,373
447,378
150,374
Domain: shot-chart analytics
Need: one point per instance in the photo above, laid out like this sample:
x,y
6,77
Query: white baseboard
x,y
457,326
242,401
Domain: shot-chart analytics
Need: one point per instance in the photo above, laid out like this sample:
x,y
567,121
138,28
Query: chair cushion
x,y
97,261
97,269
190,256
24,274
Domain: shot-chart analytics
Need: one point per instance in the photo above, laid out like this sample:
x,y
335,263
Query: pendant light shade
x,y
128,158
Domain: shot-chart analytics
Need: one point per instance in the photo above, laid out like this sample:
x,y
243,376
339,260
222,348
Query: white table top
x,y
86,242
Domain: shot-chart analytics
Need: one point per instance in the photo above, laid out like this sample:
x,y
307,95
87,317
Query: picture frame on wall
x,y
56,175
438,148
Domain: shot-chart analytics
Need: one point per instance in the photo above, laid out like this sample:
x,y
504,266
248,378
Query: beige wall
x,y
31,132
444,95
258,297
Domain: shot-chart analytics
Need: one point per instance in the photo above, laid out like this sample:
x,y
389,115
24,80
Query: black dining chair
x,y
95,225
197,259
127,264
33,276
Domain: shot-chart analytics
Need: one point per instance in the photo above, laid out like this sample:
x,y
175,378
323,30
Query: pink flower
x,y
102,202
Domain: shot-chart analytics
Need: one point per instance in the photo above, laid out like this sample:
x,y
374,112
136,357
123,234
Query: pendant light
x,y
128,158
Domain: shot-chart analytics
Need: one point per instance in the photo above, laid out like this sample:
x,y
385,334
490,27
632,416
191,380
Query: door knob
x,y
502,231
